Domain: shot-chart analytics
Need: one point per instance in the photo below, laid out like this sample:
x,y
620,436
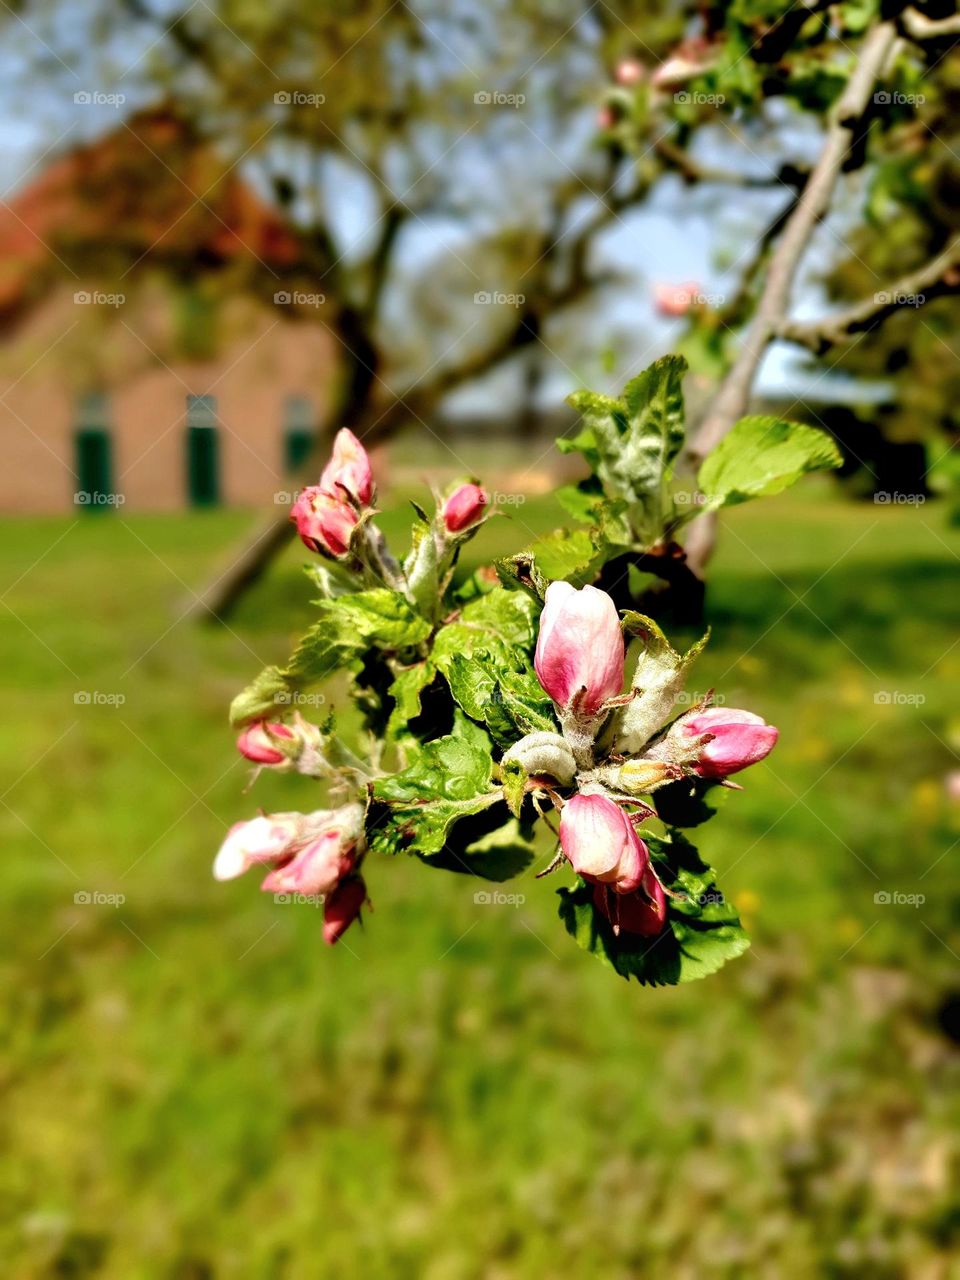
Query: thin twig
x,y
937,278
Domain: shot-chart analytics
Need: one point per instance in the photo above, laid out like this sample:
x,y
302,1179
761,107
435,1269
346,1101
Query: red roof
x,y
151,191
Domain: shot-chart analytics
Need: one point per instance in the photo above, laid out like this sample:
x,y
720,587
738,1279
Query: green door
x,y
203,452
298,431
93,454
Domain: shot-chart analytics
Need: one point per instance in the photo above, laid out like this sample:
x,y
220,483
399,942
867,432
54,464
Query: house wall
x,y
67,348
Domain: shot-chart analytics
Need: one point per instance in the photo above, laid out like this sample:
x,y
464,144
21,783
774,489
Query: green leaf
x,y
346,629
406,691
655,404
449,780
261,698
508,699
635,442
381,617
421,568
689,802
571,554
701,934
761,456
324,647
484,656
582,501
499,853
497,622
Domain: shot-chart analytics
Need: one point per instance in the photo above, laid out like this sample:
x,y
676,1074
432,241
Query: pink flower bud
x,y
643,913
342,908
323,522
579,657
464,507
740,739
256,742
261,840
629,72
276,839
601,844
676,299
348,469
317,868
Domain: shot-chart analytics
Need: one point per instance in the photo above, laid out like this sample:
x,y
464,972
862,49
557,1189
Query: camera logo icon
x,y
283,98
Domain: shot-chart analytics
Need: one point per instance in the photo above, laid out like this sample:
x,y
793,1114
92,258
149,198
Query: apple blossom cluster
x,y
579,661
318,855
533,682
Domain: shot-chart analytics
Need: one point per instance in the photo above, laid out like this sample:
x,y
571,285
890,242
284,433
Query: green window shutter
x,y
203,452
298,431
93,454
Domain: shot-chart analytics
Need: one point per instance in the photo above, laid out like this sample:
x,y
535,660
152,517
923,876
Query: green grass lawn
x,y
196,1087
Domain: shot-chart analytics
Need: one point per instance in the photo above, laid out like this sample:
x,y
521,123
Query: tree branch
x,y
733,396
692,171
937,278
918,26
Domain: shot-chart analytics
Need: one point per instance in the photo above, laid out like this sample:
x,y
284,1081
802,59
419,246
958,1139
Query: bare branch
x,y
919,27
733,396
937,278
693,171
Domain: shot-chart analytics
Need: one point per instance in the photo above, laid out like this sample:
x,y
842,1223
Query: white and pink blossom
x,y
739,739
580,651
599,840
348,473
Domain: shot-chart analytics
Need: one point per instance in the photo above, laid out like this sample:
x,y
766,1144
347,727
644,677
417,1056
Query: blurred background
x,y
228,229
